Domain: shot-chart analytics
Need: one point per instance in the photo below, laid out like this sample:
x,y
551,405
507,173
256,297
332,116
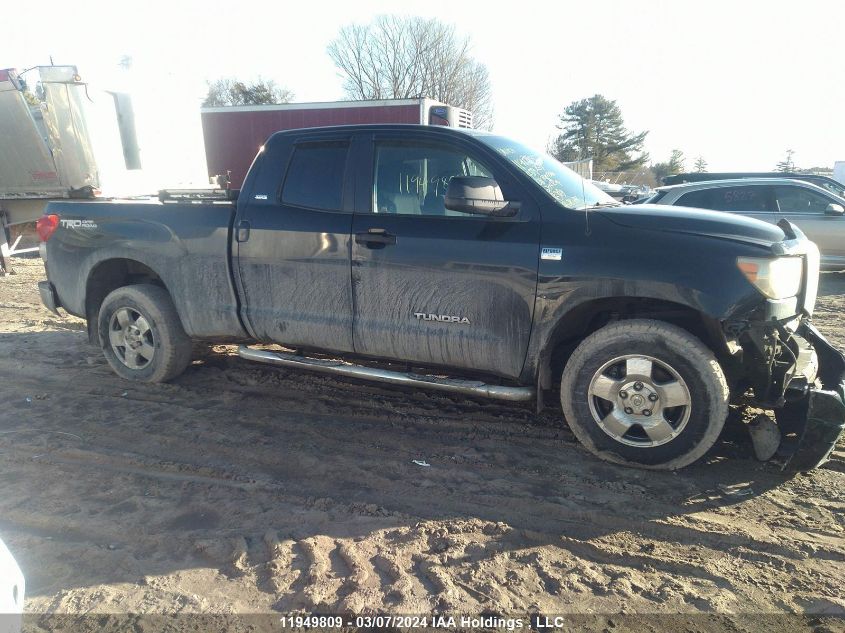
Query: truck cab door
x,y
292,243
434,286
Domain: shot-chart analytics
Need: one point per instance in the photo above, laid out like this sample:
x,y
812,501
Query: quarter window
x,y
315,176
699,199
412,179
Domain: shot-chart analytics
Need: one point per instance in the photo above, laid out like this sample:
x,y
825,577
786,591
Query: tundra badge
x,y
442,318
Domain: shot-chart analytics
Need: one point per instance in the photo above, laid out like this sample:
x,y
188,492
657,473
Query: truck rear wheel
x,y
141,334
645,393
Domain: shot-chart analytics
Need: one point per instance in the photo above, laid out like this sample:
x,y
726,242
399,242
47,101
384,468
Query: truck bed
x,y
188,243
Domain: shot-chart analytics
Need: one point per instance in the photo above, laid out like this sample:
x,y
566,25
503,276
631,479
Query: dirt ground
x,y
242,488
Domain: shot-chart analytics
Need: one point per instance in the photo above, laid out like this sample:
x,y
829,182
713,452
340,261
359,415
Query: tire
x,y
666,395
157,349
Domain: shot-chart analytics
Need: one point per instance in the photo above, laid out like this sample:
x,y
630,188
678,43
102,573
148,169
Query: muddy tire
x,y
141,334
644,393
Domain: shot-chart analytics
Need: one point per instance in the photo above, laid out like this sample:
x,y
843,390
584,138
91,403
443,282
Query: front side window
x,y
793,199
412,179
315,176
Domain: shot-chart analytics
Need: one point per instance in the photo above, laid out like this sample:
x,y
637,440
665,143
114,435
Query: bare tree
x,y
229,92
397,57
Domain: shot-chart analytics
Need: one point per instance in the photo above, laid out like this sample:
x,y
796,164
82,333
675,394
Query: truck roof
x,y
384,127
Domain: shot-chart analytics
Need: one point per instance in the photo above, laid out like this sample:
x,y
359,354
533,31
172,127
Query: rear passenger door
x,y
293,244
433,286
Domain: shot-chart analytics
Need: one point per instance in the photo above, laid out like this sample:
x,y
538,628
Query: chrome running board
x,y
469,387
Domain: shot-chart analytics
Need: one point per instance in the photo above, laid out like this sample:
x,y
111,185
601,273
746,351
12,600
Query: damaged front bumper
x,y
812,418
792,368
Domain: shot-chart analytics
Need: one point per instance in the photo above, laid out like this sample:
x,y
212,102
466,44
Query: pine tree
x,y
787,165
594,128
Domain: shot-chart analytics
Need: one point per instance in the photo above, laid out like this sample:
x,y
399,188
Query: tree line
x,y
395,57
392,57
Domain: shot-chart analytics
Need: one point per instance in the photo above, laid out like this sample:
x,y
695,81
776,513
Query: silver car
x,y
816,211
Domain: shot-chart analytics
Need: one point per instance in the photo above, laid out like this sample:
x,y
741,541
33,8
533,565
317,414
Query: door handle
x,y
375,238
242,233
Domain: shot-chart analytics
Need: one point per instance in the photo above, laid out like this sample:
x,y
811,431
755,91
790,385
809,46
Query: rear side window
x,y
737,199
315,176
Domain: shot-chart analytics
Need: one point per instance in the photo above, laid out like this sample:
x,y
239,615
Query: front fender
x,y
602,261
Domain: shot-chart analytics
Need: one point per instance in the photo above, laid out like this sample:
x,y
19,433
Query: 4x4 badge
x,y
551,253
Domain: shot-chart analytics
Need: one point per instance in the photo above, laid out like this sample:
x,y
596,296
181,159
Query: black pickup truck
x,y
467,262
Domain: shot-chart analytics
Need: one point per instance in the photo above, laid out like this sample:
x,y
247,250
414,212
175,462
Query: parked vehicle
x,y
11,592
233,134
816,211
623,192
477,266
833,186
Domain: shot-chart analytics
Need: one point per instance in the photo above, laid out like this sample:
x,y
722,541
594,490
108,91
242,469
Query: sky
x,y
737,83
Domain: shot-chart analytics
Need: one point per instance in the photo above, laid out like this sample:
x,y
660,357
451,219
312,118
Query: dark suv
x,y
833,186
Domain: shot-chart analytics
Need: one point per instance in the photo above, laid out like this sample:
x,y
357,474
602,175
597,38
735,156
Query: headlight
x,y
776,278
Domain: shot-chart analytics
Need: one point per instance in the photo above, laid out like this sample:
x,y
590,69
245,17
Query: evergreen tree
x,y
787,164
594,128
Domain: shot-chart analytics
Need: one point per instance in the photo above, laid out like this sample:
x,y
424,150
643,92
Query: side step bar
x,y
470,387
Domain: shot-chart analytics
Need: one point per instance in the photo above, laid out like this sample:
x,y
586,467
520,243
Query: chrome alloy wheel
x,y
131,338
639,401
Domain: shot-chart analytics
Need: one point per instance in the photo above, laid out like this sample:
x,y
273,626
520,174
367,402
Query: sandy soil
x,y
242,488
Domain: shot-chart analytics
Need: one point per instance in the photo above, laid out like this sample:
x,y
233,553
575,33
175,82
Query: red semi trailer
x,y
233,134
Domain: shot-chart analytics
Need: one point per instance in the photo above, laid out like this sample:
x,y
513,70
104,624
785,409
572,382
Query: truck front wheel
x,y
141,334
645,393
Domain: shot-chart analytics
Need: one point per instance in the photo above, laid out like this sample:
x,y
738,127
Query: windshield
x,y
560,182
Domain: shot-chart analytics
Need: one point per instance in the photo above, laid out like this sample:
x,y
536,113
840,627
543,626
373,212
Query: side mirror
x,y
834,209
478,195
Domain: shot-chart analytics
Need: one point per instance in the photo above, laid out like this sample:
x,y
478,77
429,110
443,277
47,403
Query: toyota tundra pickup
x,y
465,261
